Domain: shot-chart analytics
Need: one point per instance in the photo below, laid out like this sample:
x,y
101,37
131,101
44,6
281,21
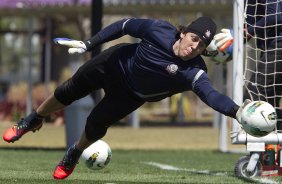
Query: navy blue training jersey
x,y
264,19
151,69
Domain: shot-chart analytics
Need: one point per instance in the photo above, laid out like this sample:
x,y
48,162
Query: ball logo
x,y
253,107
94,156
172,69
91,159
272,116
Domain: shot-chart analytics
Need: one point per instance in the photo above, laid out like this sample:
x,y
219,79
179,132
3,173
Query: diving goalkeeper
x,y
166,61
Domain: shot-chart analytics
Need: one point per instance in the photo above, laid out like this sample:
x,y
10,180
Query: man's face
x,y
190,46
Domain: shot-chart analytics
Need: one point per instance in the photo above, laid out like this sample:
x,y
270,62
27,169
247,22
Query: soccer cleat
x,y
67,164
32,122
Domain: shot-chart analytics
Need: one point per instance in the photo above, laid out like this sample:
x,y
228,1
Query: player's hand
x,y
239,112
217,56
75,46
224,40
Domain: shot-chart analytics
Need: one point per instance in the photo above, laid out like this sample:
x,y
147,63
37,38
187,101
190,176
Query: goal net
x,y
263,52
257,61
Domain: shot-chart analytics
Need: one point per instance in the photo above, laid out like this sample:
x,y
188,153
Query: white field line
x,y
265,180
207,172
172,168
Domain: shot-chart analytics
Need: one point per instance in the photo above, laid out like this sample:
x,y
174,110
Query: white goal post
x,y
238,55
237,73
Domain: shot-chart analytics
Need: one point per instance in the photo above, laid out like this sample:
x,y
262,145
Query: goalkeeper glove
x,y
76,46
219,57
224,40
240,110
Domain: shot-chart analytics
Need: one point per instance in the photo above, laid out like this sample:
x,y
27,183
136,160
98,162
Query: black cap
x,y
204,27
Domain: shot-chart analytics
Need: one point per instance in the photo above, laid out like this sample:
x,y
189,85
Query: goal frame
x,y
237,135
237,73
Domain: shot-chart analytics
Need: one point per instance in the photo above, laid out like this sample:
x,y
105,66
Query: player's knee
x,y
94,131
66,93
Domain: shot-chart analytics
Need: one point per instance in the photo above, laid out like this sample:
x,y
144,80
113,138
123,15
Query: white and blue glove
x,y
220,49
75,46
216,55
224,40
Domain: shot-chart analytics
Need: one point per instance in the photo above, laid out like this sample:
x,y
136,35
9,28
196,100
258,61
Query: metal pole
x,y
47,72
134,120
221,120
219,85
238,54
29,75
96,26
223,144
180,111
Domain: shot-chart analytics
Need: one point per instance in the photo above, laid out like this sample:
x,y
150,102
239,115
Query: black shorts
x,y
101,72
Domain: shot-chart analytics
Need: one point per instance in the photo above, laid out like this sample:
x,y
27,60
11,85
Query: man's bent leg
x,y
108,111
50,105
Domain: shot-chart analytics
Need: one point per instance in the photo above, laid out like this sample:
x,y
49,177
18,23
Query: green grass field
x,y
127,166
36,166
147,155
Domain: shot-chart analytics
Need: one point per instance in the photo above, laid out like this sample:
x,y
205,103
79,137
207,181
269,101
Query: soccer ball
x,y
97,155
258,118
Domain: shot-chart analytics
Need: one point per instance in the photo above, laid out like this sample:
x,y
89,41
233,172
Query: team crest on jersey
x,y
172,69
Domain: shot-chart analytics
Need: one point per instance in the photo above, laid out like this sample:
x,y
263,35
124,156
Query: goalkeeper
x,y
166,61
263,23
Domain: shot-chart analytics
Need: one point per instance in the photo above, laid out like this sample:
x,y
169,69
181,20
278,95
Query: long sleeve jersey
x,y
151,69
264,19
